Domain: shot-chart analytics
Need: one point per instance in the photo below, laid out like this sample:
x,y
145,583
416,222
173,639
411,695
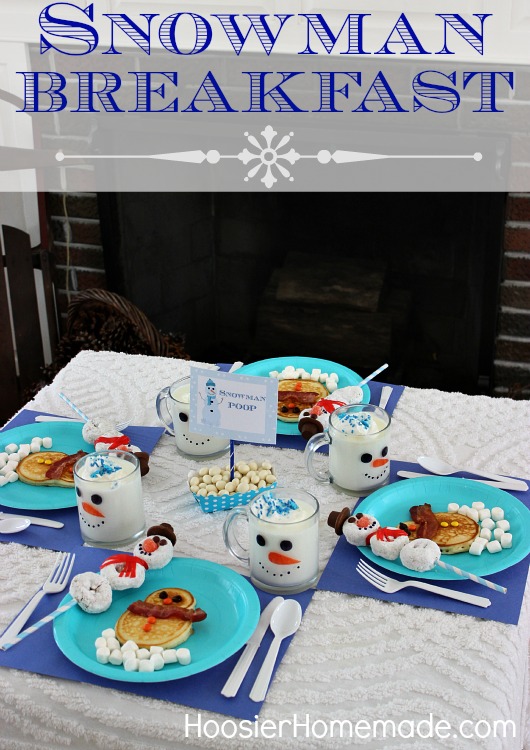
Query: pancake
x,y
167,633
451,539
33,468
296,395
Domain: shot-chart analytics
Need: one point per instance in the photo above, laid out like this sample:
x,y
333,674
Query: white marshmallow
x,y
488,523
146,665
129,646
157,661
23,447
494,546
473,514
463,510
102,655
11,448
331,385
484,513
506,541
2,462
485,534
3,480
37,440
131,664
480,540
169,655
111,633
306,376
142,653
4,457
100,642
504,525
12,477
452,508
116,657
315,374
497,533
273,374
323,377
34,447
113,644
156,650
184,656
476,548
497,514
478,506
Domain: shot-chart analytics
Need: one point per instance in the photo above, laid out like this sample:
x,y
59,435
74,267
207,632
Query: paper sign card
x,y
239,407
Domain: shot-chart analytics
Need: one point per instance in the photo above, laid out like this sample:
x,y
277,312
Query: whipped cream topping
x,y
358,423
279,510
104,469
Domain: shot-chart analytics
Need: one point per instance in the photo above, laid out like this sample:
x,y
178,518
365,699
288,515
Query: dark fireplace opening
x,y
361,279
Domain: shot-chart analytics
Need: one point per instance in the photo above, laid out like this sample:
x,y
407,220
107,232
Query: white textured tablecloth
x,y
353,658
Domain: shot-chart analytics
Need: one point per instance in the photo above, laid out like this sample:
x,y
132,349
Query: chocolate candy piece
x,y
336,519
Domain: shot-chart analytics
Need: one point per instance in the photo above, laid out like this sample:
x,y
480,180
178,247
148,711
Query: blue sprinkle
x,y
102,467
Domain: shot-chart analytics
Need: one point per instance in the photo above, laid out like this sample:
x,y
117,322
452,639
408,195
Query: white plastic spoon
x,y
13,525
437,466
285,621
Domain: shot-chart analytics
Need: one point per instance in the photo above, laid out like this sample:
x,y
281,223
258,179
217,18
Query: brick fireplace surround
x,y
511,374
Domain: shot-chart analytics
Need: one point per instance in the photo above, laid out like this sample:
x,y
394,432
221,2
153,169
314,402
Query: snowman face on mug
x,y
280,555
375,465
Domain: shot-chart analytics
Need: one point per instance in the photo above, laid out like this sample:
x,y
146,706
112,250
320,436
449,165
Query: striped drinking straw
x,y
39,624
74,407
472,577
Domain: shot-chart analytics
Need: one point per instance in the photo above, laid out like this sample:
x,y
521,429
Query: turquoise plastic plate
x,y
229,600
391,504
264,366
66,438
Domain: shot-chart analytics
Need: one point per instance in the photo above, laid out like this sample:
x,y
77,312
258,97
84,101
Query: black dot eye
x,y
384,451
286,545
162,542
163,595
183,417
260,540
177,598
366,458
97,499
156,539
78,491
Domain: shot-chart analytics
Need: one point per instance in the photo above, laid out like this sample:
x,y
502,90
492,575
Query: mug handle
x,y
229,537
313,444
161,405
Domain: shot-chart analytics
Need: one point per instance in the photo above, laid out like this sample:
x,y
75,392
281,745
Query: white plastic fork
x,y
55,583
390,586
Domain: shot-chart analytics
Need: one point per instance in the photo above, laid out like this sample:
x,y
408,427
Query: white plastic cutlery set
x,y
283,616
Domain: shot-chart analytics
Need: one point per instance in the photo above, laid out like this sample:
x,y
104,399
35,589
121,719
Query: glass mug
x,y
173,409
108,488
283,545
358,449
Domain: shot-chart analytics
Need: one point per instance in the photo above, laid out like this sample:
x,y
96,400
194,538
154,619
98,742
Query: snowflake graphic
x,y
268,156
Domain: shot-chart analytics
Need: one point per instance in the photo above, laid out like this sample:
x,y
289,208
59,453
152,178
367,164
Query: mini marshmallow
x,y
102,655
11,465
142,653
156,650
146,665
2,462
3,480
274,374
184,656
484,513
488,523
497,514
478,506
485,534
4,457
131,664
497,533
157,661
129,646
169,655
494,546
47,442
315,374
116,657
113,644
473,514
100,642
476,548
111,633
12,477
506,541
37,440
11,448
504,525
306,376
331,385
34,447
463,510
453,508
480,540
323,377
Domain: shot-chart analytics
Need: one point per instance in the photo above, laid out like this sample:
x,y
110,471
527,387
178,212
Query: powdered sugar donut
x,y
123,571
92,592
358,528
157,548
94,428
388,542
420,555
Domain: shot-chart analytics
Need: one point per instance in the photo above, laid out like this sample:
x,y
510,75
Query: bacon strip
x,y
164,611
426,520
299,397
56,469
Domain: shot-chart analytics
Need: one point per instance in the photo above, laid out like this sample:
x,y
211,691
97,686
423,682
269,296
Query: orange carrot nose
x,y
278,559
92,511
380,462
149,545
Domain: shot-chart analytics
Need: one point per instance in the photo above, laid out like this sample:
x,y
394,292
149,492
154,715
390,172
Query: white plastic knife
x,y
35,521
499,485
233,683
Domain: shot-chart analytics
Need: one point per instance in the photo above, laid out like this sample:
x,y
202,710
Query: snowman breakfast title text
x,y
67,29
